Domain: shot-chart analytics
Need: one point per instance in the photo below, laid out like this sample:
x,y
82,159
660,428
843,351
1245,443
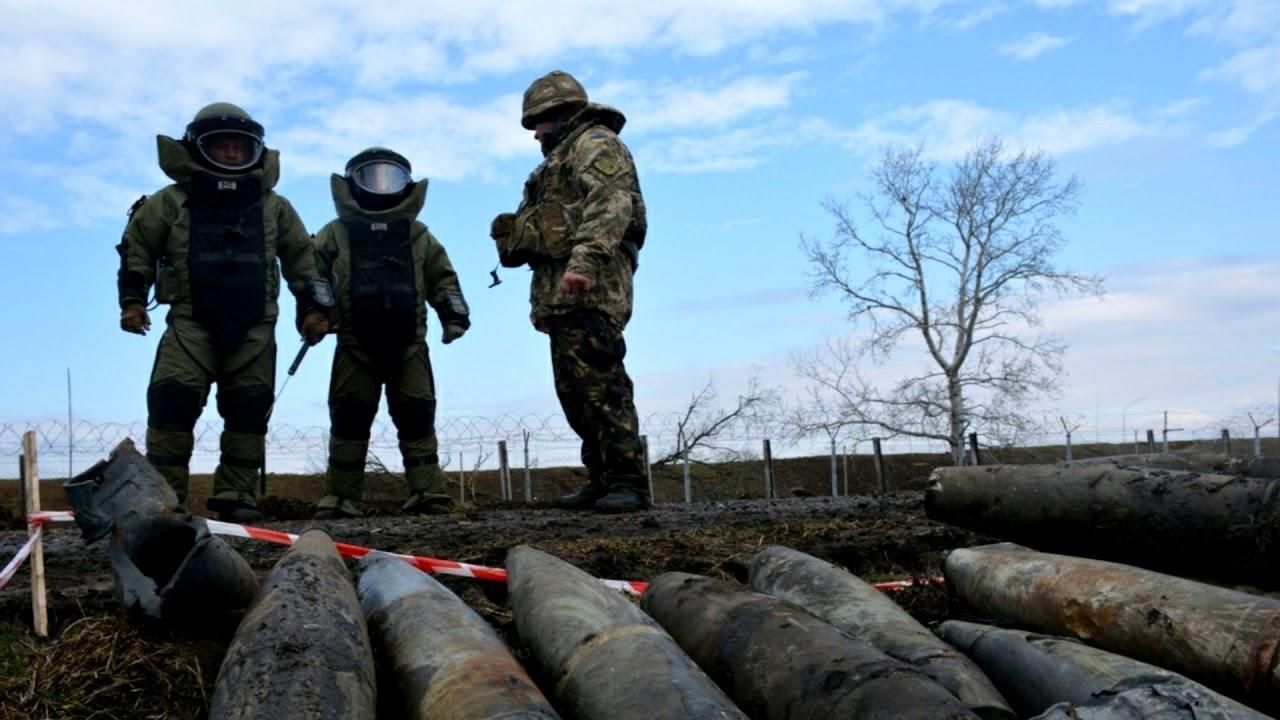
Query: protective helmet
x,y
553,91
223,137
379,178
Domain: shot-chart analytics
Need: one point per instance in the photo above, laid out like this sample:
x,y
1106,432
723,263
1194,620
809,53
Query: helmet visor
x,y
233,150
381,177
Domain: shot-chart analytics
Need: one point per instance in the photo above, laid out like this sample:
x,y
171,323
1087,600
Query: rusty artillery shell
x,y
1212,526
778,661
165,564
606,658
302,650
448,663
841,599
1037,672
1222,638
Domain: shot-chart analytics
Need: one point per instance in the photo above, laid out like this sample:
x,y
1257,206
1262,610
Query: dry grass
x,y
101,666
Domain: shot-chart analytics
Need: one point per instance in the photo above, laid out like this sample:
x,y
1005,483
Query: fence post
x,y
648,469
462,479
879,461
1151,441
528,475
770,492
1068,447
31,473
835,489
504,471
973,444
688,484
1226,441
845,468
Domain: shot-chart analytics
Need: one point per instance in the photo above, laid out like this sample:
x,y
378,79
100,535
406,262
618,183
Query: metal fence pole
x,y
770,491
1226,441
835,489
688,483
879,461
1151,441
845,467
1068,447
973,445
528,475
504,471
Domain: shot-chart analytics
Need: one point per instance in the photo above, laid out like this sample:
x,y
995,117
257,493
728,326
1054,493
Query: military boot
x,y
332,507
423,503
622,499
584,499
233,511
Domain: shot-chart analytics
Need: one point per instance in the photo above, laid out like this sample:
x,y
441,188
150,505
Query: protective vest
x,y
226,259
384,284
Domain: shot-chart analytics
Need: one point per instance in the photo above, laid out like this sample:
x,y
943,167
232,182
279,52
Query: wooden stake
x,y
31,475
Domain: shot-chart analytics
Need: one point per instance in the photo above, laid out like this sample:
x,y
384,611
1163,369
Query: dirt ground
x,y
97,662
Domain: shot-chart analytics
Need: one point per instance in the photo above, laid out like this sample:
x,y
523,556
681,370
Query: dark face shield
x,y
230,150
380,177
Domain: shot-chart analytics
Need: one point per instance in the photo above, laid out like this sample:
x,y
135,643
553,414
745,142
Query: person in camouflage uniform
x,y
580,227
385,267
210,243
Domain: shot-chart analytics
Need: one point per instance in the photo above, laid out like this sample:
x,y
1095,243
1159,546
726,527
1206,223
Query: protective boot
x,y
622,499
585,498
333,507
426,490
233,511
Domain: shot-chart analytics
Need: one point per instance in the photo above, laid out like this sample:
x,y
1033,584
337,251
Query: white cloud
x,y
659,107
1257,70
948,129
1033,46
1241,134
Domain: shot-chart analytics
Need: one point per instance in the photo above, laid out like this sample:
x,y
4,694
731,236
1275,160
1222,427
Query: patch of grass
x,y
13,661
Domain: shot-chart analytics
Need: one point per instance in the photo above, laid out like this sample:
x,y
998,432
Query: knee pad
x,y
245,409
172,406
351,419
415,418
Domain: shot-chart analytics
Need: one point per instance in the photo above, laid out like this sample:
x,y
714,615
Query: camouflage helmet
x,y
557,89
224,136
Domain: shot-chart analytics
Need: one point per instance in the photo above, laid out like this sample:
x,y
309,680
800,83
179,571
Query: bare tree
x,y
703,423
959,264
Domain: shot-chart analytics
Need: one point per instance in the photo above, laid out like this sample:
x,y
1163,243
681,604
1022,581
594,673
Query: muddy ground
x,y
98,664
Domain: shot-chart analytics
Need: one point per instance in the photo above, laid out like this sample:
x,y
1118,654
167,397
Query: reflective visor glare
x,y
383,178
230,149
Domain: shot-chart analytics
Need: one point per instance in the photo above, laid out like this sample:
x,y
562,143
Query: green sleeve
x,y
142,246
606,175
444,292
295,250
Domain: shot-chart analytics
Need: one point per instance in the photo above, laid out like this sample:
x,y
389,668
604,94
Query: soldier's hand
x,y
451,332
133,318
574,283
538,323
314,327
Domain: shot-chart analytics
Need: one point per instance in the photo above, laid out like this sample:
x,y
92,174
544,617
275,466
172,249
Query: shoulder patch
x,y
606,165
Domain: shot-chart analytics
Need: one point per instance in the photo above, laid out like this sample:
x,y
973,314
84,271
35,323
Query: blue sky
x,y
743,118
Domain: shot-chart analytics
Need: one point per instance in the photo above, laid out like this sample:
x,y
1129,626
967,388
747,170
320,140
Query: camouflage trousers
x,y
186,365
355,387
597,396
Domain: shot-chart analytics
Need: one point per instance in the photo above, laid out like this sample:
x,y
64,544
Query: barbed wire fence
x,y
551,442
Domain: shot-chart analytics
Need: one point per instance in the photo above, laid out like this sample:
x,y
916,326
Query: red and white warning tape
x,y
425,564
12,568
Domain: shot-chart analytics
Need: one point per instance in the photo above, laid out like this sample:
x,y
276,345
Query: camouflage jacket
x,y
436,281
592,176
157,237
